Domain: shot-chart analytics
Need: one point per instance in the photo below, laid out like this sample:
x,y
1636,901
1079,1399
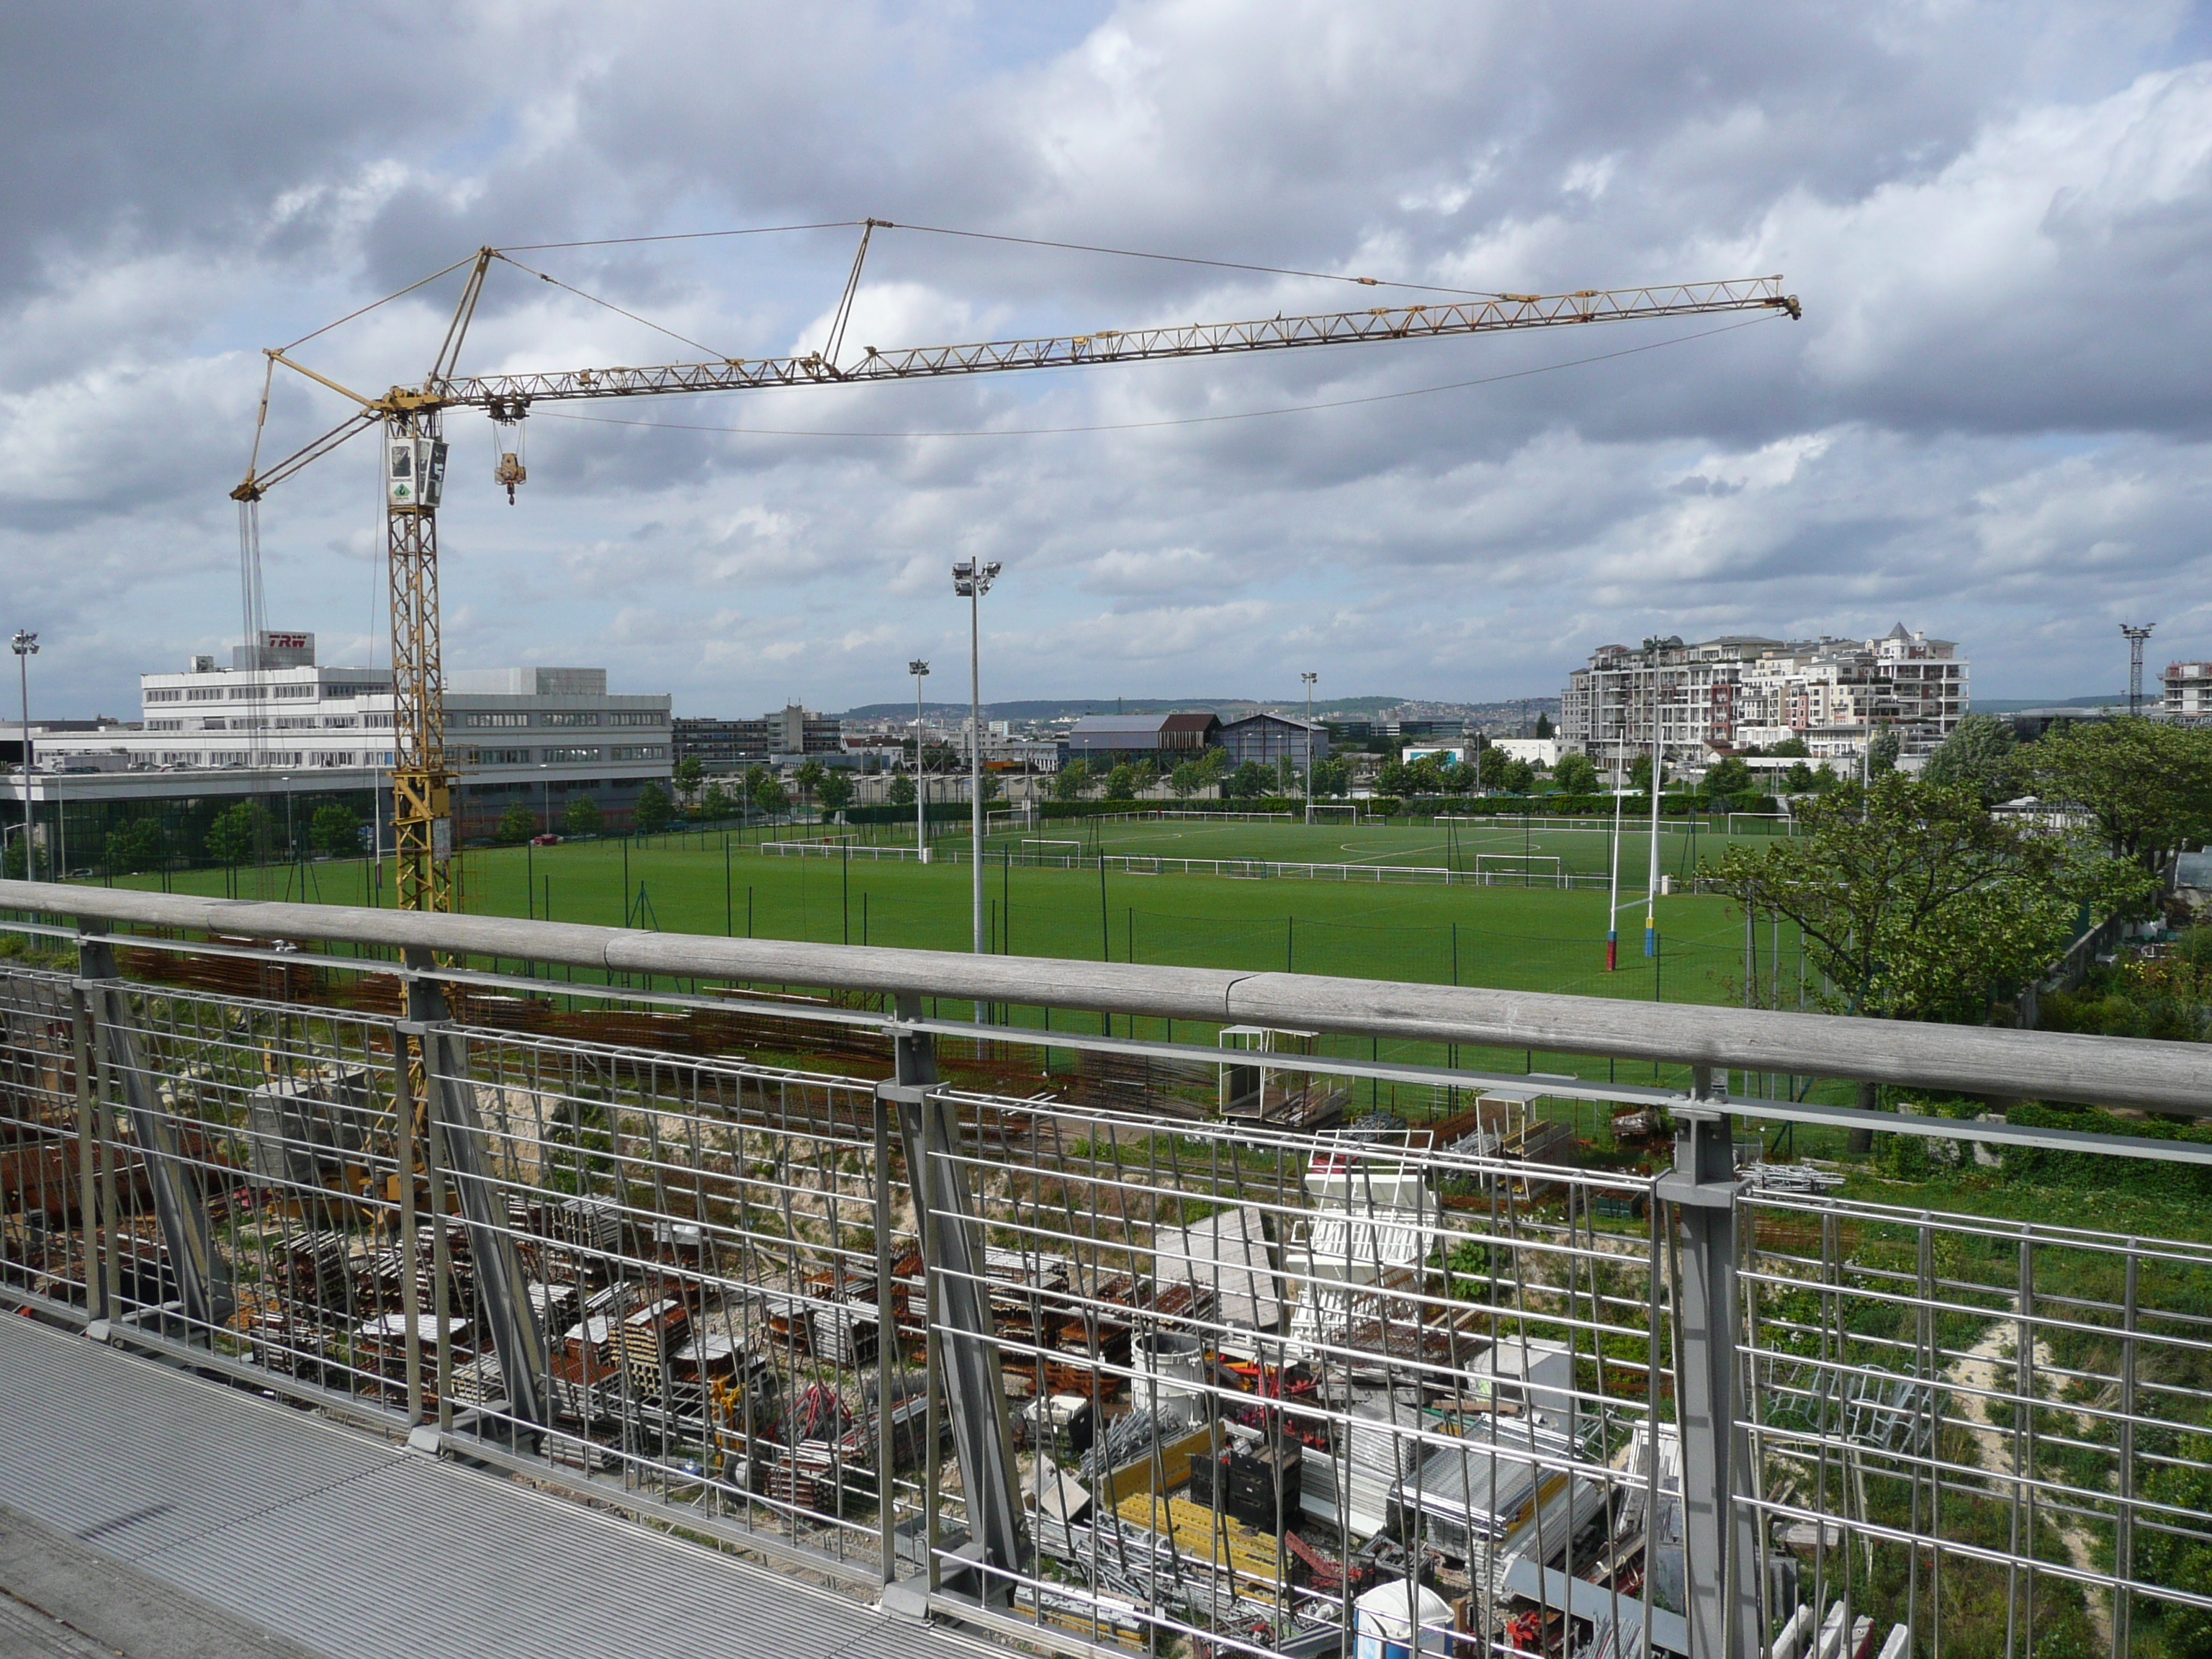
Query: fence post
x,y
1719,1532
203,1285
90,1152
456,1146
886,1353
965,1361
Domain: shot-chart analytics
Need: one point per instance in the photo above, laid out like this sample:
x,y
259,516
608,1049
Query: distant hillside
x,y
1227,707
2013,705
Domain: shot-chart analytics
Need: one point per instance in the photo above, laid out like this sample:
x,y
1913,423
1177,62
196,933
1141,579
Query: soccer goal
x,y
1490,868
1000,819
1332,812
1037,850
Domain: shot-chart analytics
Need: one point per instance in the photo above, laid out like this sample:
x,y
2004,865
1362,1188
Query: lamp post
x,y
26,647
920,670
1308,679
971,580
1651,649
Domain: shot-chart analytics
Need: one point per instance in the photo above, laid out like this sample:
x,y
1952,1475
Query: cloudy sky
x,y
1991,422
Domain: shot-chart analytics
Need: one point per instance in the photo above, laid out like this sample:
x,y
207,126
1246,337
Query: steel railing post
x,y
88,1153
202,1286
965,1355
1719,1529
456,1142
886,1352
410,1253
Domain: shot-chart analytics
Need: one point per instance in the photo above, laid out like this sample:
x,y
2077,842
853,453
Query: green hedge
x,y
1380,806
940,811
2097,1171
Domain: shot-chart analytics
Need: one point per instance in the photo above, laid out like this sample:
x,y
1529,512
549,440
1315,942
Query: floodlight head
x,y
973,577
917,668
25,644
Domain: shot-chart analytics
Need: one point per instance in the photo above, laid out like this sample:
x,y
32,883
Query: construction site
x,y
1269,1375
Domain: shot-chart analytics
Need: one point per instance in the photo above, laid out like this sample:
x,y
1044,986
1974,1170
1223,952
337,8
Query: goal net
x,y
1042,850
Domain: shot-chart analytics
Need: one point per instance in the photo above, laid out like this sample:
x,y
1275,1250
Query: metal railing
x,y
820,1279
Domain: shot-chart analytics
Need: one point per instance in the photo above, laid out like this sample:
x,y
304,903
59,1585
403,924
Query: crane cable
x,y
1186,420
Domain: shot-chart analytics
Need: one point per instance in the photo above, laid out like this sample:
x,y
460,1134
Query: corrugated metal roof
x,y
352,1547
1116,725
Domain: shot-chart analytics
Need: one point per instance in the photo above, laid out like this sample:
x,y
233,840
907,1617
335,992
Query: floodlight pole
x,y
920,670
26,647
971,579
1308,679
1651,648
1613,896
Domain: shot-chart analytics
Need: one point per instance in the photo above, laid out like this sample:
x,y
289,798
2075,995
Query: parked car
x,y
545,841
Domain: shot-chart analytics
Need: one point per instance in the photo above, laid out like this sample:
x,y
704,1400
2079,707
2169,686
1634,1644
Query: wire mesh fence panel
x,y
1996,1430
256,1212
1263,1387
712,1258
43,1167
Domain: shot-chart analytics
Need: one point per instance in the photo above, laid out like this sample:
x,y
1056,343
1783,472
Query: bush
x,y
581,817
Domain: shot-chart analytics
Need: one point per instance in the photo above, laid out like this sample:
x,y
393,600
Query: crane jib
x,y
1503,314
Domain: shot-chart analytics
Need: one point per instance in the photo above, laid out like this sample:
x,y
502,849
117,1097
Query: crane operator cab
x,y
414,470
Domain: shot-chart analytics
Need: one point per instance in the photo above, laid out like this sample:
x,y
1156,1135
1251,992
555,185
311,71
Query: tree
x,y
1490,767
769,796
835,791
1122,782
1977,756
1145,773
1639,775
1331,777
1727,776
808,777
1883,750
1458,778
755,776
1520,778
1914,901
1186,779
335,829
651,814
133,845
716,804
689,775
1576,775
580,817
230,837
901,793
1543,724
2145,786
1248,781
1790,749
1071,781
516,826
1802,779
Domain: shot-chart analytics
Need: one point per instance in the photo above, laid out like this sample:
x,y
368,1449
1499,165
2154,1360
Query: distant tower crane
x,y
2136,637
413,421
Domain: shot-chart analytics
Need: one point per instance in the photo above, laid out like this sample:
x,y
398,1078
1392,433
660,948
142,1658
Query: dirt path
x,y
1990,1365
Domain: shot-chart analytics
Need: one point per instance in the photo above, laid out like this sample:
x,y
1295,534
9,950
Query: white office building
x,y
534,737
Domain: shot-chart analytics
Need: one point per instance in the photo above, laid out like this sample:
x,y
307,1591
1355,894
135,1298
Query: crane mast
x,y
412,420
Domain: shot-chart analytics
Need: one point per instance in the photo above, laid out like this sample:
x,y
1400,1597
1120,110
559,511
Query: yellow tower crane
x,y
412,419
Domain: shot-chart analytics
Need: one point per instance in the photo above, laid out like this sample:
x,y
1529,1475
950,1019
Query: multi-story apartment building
x,y
1741,691
2188,687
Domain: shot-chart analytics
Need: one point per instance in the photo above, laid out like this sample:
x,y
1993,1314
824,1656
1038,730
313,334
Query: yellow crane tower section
x,y
412,420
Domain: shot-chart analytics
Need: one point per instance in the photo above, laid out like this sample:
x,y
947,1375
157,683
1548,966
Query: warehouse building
x,y
1270,739
1166,739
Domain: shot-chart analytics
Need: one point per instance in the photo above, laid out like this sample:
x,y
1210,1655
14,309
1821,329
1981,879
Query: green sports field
x,y
1503,935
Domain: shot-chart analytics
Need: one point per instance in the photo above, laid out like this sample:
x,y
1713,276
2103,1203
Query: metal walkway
x,y
352,1546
